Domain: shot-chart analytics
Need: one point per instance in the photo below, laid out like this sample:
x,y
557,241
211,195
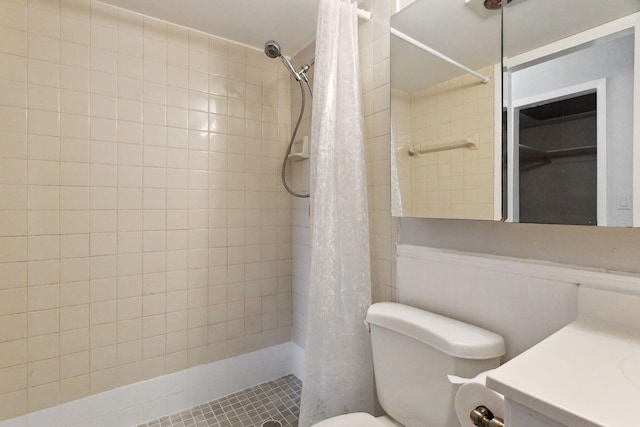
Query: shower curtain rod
x,y
364,14
442,56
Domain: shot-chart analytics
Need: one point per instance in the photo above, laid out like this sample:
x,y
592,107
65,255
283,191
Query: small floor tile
x,y
277,400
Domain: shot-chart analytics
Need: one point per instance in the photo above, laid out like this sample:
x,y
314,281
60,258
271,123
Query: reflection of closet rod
x,y
442,56
561,152
471,143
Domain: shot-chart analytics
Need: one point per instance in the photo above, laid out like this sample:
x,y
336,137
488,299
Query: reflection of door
x,y
558,162
558,156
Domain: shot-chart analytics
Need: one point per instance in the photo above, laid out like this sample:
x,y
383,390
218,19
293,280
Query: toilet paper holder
x,y
481,416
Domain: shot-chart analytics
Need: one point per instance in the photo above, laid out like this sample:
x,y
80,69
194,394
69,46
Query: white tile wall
x,y
374,51
143,227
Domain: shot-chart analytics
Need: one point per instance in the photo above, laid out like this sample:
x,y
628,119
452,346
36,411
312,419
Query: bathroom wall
x,y
614,249
486,291
374,52
143,228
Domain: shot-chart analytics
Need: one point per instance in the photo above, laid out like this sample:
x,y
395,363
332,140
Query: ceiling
x,y
251,22
455,30
535,23
450,27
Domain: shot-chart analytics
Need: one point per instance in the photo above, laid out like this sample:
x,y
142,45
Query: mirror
x,y
569,106
445,90
565,152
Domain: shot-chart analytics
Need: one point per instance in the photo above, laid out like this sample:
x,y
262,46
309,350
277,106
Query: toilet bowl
x,y
359,419
413,352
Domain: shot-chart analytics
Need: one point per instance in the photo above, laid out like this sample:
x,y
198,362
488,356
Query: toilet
x,y
413,352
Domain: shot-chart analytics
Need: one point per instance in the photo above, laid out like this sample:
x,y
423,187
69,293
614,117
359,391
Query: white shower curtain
x,y
396,194
338,371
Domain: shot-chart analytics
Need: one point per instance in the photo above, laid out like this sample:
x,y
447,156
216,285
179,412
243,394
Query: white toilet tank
x,y
414,351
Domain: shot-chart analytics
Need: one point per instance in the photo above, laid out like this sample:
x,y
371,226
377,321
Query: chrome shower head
x,y
272,49
494,4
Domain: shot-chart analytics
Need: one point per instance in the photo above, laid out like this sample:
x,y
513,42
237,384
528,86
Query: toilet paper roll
x,y
473,394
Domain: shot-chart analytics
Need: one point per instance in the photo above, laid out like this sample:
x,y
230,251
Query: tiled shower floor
x,y
277,400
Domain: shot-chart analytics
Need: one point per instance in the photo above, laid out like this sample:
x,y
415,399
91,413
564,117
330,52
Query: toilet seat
x,y
358,419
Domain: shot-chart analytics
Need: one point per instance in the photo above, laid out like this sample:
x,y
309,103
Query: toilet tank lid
x,y
450,336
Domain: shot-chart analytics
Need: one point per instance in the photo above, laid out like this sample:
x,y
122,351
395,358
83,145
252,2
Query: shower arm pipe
x,y
437,54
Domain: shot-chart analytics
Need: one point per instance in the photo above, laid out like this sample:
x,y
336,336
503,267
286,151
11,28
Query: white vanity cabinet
x,y
586,374
518,415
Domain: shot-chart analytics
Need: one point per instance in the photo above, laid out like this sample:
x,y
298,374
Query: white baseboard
x,y
147,400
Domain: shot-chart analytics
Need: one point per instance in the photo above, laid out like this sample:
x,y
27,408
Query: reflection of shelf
x,y
527,122
540,155
471,143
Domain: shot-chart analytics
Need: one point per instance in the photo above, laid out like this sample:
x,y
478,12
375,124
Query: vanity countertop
x,y
586,374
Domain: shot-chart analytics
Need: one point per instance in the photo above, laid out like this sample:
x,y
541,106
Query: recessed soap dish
x,y
300,149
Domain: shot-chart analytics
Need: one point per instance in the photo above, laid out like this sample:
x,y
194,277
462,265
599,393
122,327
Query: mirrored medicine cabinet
x,y
523,113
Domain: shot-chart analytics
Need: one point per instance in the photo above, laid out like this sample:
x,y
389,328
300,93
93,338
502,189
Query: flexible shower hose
x,y
293,137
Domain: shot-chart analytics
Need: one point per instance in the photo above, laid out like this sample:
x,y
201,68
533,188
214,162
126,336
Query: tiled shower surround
x,y
143,228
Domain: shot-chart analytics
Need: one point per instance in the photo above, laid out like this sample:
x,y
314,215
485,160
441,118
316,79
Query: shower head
x,y
272,50
488,8
493,4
